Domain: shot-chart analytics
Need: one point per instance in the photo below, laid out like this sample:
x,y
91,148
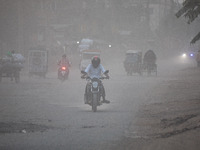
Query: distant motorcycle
x,y
94,91
63,73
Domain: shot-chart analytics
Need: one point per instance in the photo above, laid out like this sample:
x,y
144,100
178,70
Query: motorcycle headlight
x,y
94,84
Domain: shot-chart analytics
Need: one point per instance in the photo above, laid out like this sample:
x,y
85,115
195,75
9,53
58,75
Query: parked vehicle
x,y
86,56
38,62
94,91
133,62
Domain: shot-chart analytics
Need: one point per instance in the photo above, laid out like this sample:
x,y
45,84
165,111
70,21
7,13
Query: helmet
x,y
64,55
95,61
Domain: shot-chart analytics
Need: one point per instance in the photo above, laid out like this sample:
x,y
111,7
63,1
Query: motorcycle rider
x,y
94,70
63,62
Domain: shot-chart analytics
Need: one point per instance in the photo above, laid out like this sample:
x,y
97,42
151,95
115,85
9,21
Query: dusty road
x,y
170,119
150,113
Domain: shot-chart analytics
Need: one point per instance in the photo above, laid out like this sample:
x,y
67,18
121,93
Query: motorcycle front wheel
x,y
94,102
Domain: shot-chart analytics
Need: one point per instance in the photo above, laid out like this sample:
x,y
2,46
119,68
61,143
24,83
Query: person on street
x,y
63,62
95,70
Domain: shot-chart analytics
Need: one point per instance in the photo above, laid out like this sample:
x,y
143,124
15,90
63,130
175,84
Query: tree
x,y
190,10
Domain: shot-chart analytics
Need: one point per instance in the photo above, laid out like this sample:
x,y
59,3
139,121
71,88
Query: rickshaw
x,y
133,62
149,63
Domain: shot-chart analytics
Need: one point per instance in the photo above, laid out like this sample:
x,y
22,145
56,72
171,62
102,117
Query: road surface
x,y
47,114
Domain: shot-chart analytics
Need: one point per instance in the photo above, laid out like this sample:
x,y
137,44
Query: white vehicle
x,y
85,44
83,47
86,57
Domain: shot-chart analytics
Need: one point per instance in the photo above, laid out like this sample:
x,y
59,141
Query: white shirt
x,y
94,72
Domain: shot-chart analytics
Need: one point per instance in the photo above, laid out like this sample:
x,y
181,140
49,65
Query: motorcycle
x,y
94,91
63,73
